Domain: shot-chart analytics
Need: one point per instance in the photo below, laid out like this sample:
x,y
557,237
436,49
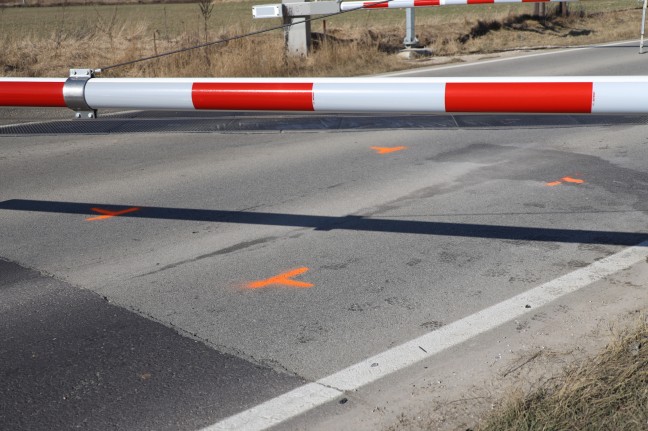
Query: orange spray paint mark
x,y
565,180
284,279
387,150
109,214
572,180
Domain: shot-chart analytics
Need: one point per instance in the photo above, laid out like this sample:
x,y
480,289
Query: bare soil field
x,y
47,41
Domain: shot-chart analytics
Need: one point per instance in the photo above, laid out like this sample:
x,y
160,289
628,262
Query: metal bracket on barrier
x,y
74,93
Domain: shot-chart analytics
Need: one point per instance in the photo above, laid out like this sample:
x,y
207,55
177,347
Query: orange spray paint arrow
x,y
284,279
387,150
109,214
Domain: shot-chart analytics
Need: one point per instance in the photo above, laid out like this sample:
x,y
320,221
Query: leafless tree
x,y
206,8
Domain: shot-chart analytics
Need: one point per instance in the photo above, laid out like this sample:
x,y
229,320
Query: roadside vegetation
x,y
606,392
47,41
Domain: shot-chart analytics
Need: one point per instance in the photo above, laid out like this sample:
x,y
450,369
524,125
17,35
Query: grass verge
x,y
606,392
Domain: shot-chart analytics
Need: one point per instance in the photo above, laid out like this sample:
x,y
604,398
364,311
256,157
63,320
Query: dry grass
x,y
248,57
607,392
49,41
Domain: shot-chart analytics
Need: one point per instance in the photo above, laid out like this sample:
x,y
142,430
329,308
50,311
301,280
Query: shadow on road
x,y
326,223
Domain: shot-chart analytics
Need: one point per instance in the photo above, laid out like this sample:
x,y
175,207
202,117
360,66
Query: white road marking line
x,y
498,60
312,395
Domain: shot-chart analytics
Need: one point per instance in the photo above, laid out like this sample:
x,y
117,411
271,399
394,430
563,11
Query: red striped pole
x,y
32,92
604,95
397,4
559,97
253,96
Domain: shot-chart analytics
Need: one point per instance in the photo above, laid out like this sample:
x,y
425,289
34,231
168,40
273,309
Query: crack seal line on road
x,y
312,395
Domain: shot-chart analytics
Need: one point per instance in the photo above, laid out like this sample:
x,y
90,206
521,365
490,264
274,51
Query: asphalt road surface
x,y
171,270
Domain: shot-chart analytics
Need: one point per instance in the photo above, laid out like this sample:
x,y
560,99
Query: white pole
x,y
643,26
410,34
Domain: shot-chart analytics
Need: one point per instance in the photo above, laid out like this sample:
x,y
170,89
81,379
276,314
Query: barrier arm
x,y
558,95
397,4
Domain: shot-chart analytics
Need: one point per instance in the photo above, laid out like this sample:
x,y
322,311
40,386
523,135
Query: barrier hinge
x,y
74,93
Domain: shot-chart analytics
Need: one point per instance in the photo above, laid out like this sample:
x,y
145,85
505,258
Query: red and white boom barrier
x,y
397,4
596,95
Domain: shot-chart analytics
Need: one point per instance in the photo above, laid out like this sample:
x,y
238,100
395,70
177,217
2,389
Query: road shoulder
x,y
454,389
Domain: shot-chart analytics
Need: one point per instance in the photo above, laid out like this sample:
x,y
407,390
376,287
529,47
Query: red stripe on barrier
x,y
47,94
561,97
480,1
420,3
253,97
372,5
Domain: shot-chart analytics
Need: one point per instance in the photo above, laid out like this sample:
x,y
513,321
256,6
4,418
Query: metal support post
x,y
643,26
297,35
410,40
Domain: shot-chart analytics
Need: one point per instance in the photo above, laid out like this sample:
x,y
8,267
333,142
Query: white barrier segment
x,y
620,98
379,97
400,4
139,94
